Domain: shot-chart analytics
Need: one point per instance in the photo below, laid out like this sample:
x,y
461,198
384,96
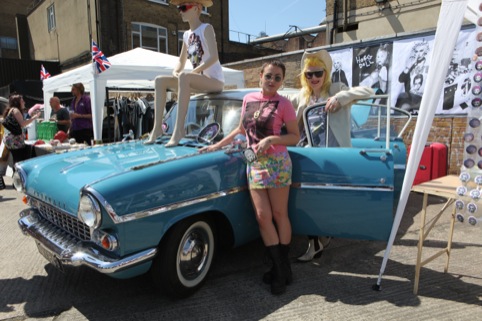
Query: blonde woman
x,y
317,87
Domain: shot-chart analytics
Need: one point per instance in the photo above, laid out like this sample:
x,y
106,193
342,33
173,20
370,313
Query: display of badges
x,y
470,190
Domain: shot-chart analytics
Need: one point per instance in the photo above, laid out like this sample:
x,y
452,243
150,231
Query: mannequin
x,y
200,47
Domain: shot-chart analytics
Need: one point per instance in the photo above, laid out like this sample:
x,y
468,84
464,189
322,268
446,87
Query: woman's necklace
x,y
260,109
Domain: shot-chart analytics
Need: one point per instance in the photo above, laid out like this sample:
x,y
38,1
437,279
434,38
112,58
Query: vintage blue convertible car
x,y
126,208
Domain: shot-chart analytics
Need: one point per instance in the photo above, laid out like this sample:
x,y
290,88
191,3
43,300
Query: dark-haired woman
x,y
269,175
14,122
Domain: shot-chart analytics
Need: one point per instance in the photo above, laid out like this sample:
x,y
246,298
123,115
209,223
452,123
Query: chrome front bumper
x,y
61,248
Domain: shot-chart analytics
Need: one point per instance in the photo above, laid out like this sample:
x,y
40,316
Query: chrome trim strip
x,y
399,166
157,210
174,206
342,187
70,251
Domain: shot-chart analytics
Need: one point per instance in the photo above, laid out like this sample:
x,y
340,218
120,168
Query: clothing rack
x,y
117,134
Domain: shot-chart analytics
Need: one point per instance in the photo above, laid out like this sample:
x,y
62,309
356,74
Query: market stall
x,y
136,68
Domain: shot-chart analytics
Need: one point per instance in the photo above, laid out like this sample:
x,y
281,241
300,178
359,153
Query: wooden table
x,y
444,187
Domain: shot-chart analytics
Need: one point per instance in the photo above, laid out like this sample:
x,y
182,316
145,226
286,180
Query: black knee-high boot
x,y
285,249
278,275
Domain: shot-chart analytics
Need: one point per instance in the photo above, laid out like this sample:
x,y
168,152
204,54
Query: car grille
x,y
64,221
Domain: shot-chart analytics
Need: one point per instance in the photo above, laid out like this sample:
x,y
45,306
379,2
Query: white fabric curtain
x,y
448,27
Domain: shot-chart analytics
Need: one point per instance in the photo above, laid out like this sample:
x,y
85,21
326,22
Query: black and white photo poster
x,y
342,70
371,67
458,82
411,59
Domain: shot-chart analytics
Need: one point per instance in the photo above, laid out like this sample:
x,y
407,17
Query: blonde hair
x,y
305,87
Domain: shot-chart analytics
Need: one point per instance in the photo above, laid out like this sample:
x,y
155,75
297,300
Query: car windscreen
x,y
202,112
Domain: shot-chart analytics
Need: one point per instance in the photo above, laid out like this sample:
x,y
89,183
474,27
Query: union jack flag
x,y
101,62
44,74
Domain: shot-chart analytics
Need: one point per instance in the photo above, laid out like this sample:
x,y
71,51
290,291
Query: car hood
x,y
58,179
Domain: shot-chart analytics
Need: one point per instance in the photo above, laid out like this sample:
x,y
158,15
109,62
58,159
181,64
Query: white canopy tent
x,y
450,20
136,68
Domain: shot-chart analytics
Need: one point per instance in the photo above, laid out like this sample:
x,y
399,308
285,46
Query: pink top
x,y
263,116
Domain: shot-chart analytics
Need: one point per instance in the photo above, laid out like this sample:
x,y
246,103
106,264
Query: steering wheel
x,y
209,133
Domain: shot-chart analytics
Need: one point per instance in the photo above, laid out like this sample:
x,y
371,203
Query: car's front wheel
x,y
185,258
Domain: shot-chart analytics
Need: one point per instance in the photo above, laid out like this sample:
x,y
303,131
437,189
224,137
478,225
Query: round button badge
x,y
459,204
471,149
476,102
472,208
464,177
478,65
475,194
469,163
468,137
474,122
478,179
478,77
461,190
476,90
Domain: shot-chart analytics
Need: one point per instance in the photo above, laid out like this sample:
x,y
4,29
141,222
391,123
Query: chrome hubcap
x,y
193,255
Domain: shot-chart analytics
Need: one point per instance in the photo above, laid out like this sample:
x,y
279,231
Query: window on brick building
x,y
159,1
8,43
180,34
51,17
149,36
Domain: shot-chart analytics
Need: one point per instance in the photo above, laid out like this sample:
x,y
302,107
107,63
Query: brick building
x,y
62,30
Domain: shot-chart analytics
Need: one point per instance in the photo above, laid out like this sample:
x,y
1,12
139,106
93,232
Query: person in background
x,y
269,173
59,114
13,123
317,88
81,116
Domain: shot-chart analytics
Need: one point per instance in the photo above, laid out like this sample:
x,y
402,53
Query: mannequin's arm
x,y
181,62
213,50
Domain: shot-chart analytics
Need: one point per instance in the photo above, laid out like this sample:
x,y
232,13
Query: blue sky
x,y
273,17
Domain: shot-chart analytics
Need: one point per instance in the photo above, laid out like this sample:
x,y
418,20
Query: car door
x,y
338,191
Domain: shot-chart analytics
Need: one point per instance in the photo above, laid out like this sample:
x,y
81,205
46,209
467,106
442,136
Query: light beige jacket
x,y
340,120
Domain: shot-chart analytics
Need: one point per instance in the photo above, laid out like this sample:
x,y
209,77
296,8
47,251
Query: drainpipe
x,y
335,22
345,15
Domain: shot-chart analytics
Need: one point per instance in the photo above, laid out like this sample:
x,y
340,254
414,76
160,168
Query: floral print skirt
x,y
270,171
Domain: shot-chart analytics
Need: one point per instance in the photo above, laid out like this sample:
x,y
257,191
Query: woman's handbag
x,y
12,124
250,155
14,141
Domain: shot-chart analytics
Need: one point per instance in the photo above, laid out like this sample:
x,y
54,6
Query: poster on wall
x,y
371,67
458,82
342,71
412,57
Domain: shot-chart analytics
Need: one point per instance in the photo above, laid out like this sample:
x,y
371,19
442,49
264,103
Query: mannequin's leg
x,y
188,82
161,85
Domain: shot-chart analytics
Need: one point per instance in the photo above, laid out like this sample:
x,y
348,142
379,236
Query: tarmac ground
x,y
337,286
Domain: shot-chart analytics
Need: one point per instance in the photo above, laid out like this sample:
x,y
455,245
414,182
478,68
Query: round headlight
x,y
89,211
18,182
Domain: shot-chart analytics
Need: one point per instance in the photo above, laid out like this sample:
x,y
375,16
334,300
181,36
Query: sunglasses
x,y
317,74
184,7
275,78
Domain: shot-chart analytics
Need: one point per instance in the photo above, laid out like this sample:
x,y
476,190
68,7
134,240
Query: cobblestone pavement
x,y
336,286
